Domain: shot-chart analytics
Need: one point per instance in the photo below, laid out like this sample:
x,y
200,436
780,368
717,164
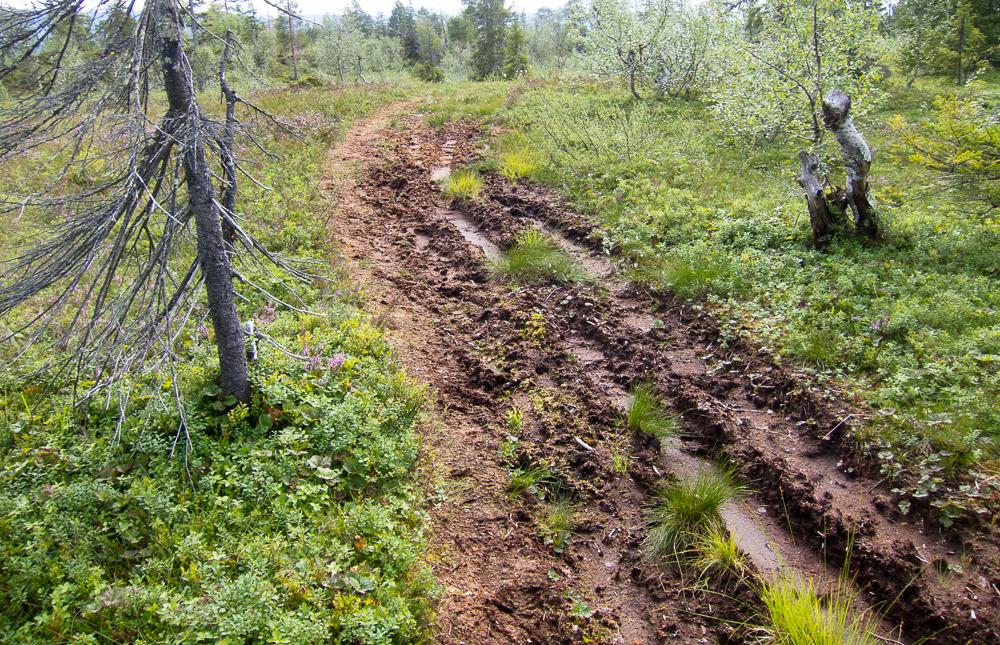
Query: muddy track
x,y
566,356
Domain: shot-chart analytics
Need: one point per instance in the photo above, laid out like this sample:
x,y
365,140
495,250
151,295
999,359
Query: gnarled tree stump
x,y
857,161
820,218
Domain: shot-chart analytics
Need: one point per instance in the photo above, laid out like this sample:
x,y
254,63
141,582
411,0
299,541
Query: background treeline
x,y
667,46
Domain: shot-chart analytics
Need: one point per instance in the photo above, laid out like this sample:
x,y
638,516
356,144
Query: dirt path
x,y
565,356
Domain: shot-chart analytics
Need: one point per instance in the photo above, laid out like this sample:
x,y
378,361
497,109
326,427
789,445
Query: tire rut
x,y
501,582
481,348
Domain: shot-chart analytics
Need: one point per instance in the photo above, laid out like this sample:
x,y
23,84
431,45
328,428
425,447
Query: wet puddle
x,y
585,355
472,233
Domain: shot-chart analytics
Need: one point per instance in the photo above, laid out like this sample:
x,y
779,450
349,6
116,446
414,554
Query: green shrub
x,y
295,518
428,73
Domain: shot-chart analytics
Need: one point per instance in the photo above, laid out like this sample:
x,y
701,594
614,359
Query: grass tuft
x,y
464,185
716,555
536,257
687,510
686,276
519,163
558,524
797,614
530,479
646,414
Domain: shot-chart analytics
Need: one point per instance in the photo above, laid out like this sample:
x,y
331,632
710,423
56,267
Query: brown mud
x,y
566,355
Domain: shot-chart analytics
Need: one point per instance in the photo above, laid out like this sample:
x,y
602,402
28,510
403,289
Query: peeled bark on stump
x,y
212,256
820,218
857,160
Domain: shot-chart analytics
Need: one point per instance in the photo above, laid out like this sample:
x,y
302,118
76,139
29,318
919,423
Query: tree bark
x,y
820,219
231,187
361,72
857,161
291,44
212,256
633,69
961,49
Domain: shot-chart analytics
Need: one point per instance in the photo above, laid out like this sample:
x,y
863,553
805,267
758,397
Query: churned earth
x,y
567,355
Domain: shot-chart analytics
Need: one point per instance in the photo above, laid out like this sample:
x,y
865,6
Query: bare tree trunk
x,y
361,72
229,192
633,70
212,256
291,43
820,219
340,69
194,27
961,49
857,161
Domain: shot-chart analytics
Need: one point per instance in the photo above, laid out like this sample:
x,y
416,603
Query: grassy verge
x,y
909,325
295,518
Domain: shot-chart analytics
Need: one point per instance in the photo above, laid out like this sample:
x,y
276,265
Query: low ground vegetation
x,y
907,324
173,510
295,517
463,185
647,415
687,510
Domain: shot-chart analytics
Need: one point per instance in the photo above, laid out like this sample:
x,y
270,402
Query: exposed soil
x,y
566,356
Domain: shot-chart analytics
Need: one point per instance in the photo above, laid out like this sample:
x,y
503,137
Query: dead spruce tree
x,y
825,205
112,278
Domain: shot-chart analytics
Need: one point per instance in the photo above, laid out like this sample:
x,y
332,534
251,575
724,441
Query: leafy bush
x,y
293,517
961,145
428,73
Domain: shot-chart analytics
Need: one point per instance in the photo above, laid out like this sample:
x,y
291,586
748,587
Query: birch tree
x,y
774,82
623,42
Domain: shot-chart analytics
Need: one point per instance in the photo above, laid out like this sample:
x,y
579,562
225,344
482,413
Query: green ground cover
x,y
910,325
293,519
